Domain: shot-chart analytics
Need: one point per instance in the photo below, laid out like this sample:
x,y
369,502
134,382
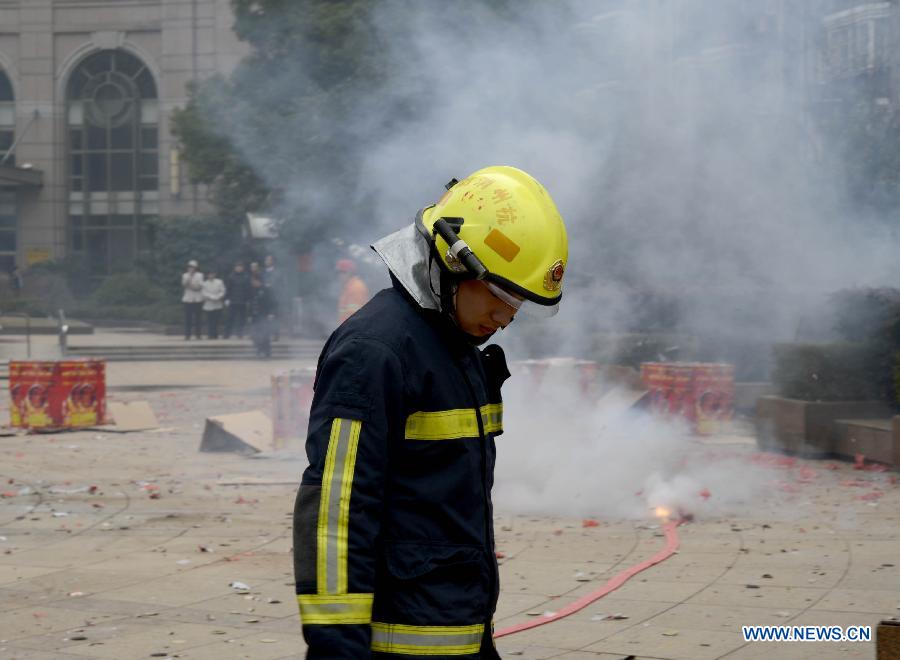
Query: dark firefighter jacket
x,y
393,536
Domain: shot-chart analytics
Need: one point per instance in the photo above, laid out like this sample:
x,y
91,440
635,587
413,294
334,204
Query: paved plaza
x,y
122,546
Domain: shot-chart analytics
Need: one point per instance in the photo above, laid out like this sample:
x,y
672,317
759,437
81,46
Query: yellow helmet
x,y
509,223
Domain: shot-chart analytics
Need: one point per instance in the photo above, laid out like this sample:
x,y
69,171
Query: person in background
x,y
237,288
260,317
16,283
213,302
271,277
192,298
354,292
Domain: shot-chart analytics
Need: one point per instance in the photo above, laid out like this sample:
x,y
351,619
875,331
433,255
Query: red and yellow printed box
x,y
700,393
66,394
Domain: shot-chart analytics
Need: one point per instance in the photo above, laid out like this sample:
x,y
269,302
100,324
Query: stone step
x,y
200,351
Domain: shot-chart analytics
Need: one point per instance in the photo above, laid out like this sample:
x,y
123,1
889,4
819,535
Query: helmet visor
x,y
522,305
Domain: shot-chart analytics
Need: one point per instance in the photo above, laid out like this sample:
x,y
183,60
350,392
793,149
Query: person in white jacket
x,y
213,302
192,284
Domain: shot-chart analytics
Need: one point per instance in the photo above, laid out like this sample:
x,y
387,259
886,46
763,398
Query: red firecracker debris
x,y
774,460
500,555
93,489
806,474
853,483
788,488
705,494
859,462
154,496
868,497
590,522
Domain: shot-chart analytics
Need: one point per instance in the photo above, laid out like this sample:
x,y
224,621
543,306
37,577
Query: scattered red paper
x,y
874,495
853,483
589,522
8,493
859,462
774,460
806,474
705,494
154,496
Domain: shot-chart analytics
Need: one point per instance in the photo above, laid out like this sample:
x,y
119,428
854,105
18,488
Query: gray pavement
x,y
136,545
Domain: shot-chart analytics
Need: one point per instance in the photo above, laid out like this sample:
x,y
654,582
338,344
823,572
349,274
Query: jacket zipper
x,y
488,526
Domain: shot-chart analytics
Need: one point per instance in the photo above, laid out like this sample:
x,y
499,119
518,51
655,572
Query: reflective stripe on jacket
x,y
393,535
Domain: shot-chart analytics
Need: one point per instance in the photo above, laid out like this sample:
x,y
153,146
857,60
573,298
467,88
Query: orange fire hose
x,y
614,583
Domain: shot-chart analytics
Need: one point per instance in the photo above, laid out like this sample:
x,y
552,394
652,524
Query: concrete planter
x,y
808,427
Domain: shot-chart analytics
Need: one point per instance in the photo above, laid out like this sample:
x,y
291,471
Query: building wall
x,y
41,44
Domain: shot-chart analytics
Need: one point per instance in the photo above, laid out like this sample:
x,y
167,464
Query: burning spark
x,y
662,512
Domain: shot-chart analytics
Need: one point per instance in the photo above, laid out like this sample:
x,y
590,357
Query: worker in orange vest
x,y
354,292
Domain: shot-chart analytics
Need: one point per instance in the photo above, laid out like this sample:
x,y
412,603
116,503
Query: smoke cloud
x,y
679,141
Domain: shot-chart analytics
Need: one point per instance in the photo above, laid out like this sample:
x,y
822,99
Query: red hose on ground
x,y
617,581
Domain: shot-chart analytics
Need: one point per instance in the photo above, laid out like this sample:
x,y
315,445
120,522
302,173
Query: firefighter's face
x,y
478,311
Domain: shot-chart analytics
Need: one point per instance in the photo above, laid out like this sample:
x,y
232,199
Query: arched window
x,y
113,165
7,195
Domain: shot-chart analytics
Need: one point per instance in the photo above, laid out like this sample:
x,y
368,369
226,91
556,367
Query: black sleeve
x,y
357,407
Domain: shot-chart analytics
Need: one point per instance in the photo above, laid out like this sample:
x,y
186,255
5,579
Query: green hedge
x,y
127,290
831,372
630,349
163,313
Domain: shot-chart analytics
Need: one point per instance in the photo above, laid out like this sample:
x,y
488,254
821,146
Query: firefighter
x,y
393,534
354,292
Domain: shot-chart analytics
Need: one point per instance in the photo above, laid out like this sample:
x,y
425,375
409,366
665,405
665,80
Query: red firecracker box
x,y
66,394
702,394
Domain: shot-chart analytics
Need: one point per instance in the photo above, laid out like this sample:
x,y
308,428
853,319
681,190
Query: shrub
x,y
163,313
630,349
831,372
867,314
210,240
127,290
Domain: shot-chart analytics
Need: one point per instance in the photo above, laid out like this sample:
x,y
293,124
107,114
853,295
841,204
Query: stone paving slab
x,y
153,574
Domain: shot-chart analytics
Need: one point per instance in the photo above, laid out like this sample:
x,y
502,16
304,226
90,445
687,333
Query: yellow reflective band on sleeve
x,y
331,610
453,424
334,507
492,417
426,640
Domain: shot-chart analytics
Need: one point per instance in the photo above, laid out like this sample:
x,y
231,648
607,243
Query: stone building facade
x,y
87,88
